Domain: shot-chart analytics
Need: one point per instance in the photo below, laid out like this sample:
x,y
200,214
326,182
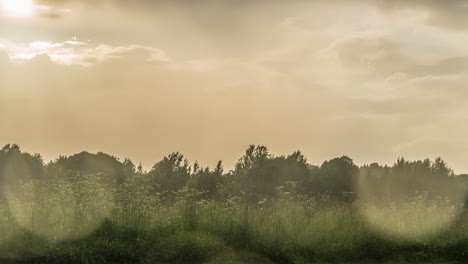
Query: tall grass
x,y
84,220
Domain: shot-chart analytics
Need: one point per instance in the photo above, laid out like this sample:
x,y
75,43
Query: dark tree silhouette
x,y
171,173
89,163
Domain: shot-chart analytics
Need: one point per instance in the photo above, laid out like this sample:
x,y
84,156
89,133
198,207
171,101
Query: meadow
x,y
84,220
95,208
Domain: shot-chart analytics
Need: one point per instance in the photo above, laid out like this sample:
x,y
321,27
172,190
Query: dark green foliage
x,y
268,209
16,165
94,163
206,181
258,173
171,173
337,176
406,178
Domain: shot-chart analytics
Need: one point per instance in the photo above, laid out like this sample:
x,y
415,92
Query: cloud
x,y
381,57
75,52
374,54
451,87
445,14
218,14
52,12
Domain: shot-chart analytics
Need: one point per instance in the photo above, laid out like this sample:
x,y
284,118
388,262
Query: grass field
x,y
85,221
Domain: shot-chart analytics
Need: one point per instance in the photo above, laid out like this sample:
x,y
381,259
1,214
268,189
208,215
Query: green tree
x,y
89,163
207,181
337,176
258,173
171,173
16,165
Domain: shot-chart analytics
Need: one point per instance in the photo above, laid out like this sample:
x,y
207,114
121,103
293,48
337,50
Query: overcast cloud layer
x,y
371,79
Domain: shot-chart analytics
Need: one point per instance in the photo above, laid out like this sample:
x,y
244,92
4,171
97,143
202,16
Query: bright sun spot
x,y
17,7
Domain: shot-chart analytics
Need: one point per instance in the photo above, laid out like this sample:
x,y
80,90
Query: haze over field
x,y
374,80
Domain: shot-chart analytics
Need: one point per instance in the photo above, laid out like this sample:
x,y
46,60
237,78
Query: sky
x,y
371,79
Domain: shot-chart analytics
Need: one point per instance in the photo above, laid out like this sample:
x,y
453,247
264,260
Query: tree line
x,y
257,175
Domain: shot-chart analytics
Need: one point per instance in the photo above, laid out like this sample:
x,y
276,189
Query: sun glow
x,y
17,7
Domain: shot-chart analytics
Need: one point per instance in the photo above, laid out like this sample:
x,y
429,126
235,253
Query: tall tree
x,y
337,176
16,165
171,173
89,163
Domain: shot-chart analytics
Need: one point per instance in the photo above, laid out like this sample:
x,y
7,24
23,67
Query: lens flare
x,y
60,209
391,209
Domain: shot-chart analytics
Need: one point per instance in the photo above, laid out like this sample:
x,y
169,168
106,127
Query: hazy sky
x,y
371,79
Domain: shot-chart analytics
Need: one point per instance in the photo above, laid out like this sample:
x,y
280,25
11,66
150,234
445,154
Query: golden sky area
x,y
374,80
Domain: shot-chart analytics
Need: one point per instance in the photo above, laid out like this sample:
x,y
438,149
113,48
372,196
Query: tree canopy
x,y
258,174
